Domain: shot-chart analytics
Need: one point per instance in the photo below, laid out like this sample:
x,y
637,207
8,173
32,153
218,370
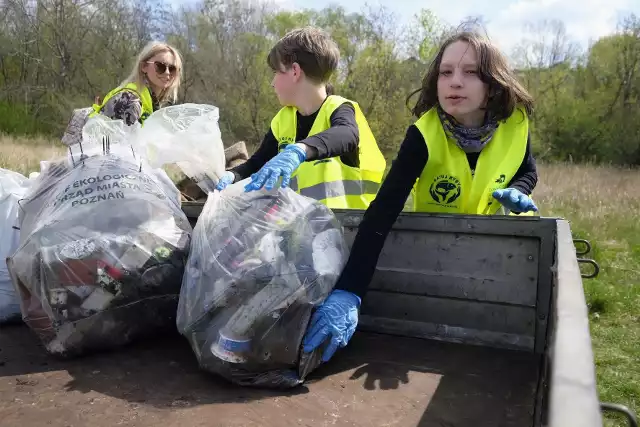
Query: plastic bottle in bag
x,y
259,264
103,246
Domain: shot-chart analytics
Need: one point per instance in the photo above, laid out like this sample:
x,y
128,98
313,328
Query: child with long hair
x,y
467,153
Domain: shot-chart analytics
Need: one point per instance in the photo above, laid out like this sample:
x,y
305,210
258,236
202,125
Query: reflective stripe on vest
x,y
328,190
330,181
446,184
144,96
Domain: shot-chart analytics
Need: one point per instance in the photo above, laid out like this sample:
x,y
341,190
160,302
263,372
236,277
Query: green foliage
x,y
70,51
19,120
589,112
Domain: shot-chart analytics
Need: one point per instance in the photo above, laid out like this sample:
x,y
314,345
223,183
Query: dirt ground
x,y
377,380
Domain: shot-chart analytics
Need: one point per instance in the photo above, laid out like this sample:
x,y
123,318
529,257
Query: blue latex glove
x,y
226,179
337,319
282,165
515,200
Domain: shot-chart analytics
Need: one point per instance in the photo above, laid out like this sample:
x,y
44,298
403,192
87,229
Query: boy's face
x,y
285,83
461,93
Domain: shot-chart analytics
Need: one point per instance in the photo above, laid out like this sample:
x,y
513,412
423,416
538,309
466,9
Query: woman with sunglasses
x,y
153,82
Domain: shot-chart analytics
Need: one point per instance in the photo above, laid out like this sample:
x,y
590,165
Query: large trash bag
x,y
13,187
260,262
189,136
103,246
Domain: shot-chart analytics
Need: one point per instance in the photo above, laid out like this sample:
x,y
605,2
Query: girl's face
x,y
461,93
160,70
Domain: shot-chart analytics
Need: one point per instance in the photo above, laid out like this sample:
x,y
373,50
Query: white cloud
x,y
584,21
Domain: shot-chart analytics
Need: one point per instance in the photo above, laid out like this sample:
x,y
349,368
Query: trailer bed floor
x,y
378,380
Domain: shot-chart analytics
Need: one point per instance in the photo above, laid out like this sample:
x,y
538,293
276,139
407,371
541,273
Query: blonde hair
x,y
138,77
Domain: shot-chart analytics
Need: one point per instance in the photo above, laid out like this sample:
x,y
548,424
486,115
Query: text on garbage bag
x,y
111,188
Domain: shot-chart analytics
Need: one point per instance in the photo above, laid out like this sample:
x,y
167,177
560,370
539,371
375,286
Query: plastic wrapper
x,y
260,262
103,246
189,136
13,187
73,133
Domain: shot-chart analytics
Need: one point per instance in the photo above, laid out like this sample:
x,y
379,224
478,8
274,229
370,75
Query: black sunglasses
x,y
161,67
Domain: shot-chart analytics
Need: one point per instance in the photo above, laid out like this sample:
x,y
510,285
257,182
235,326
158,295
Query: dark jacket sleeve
x,y
340,139
383,212
526,177
267,150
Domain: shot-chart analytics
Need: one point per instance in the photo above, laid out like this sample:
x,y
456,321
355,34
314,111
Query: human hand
x,y
284,164
226,179
515,200
336,319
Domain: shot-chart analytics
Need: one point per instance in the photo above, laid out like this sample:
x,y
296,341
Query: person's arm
x,y
124,105
383,212
340,139
267,150
526,178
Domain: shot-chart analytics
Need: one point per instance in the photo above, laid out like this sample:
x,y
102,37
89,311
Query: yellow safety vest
x,y
144,95
446,184
330,181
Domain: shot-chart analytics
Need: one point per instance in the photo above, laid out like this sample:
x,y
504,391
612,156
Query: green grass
x,y
603,206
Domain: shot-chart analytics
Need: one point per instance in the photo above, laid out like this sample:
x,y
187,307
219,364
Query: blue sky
x,y
506,20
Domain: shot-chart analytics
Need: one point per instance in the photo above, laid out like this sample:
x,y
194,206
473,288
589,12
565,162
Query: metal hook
x,y
587,245
106,145
73,162
621,409
20,204
596,268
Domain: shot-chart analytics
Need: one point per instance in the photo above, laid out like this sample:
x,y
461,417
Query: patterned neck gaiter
x,y
470,140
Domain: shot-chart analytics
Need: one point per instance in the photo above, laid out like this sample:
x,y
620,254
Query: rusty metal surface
x,y
377,380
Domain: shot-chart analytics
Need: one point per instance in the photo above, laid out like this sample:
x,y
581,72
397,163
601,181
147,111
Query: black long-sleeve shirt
x,y
340,140
383,211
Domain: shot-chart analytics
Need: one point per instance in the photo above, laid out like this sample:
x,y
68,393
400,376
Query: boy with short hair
x,y
321,145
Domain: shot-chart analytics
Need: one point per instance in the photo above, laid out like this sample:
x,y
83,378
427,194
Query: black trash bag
x,y
260,262
102,250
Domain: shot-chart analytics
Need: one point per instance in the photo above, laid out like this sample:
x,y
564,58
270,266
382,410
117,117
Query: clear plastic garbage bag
x,y
13,187
259,264
103,246
189,136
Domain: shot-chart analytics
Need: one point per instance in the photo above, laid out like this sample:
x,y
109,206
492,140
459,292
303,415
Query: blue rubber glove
x,y
337,319
226,179
282,165
515,200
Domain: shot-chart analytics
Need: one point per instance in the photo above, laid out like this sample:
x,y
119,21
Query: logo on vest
x,y
501,182
445,189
